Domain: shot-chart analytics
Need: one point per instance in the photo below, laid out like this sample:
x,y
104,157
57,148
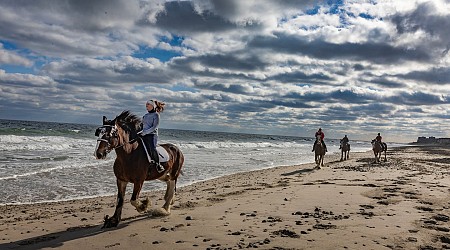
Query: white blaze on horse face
x,y
102,131
100,135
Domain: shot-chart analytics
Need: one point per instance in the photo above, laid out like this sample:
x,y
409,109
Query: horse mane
x,y
128,121
128,125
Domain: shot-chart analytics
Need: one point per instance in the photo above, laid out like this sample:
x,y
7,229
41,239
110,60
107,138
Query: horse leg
x,y
141,206
115,219
342,154
169,196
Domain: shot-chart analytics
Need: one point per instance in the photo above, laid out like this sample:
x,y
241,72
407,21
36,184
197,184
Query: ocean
x,y
46,161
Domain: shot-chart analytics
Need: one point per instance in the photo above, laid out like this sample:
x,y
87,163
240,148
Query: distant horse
x,y
319,152
378,149
132,165
345,151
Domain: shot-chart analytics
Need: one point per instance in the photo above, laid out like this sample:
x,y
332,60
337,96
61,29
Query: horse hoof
x,y
110,222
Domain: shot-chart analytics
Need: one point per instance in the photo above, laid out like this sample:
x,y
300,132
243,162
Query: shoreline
x,y
402,203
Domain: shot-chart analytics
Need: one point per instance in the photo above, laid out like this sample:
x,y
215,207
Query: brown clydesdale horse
x,y
319,152
132,165
378,148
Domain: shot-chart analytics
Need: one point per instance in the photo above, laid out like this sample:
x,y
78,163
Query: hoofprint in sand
x,y
403,203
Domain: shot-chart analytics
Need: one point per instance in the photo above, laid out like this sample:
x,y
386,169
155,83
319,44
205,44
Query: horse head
x,y
319,139
107,138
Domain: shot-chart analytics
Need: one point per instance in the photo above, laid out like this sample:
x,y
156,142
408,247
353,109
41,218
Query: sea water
x,y
44,161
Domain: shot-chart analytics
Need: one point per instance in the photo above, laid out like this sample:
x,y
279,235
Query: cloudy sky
x,y
355,67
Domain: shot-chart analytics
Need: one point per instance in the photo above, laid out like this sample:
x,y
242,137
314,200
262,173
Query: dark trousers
x,y
151,140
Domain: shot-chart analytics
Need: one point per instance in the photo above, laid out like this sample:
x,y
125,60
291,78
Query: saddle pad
x,y
163,155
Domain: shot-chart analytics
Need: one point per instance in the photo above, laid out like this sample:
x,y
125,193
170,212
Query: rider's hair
x,y
159,106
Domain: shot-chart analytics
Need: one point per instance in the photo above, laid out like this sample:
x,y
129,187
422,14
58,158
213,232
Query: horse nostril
x,y
99,155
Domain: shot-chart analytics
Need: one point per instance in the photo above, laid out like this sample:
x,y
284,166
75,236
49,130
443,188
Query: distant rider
x,y
149,130
344,141
322,135
378,139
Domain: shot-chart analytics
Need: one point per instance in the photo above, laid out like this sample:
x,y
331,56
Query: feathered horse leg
x,y
115,219
140,205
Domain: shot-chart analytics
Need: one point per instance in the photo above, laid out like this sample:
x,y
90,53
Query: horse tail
x,y
178,164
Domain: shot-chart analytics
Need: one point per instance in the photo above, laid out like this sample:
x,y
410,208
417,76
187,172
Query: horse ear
x,y
105,120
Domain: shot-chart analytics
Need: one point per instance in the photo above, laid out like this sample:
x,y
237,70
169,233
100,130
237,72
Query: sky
x,y
276,67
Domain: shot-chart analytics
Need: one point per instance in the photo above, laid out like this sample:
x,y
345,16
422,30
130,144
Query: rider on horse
x,y
322,135
378,139
344,141
149,132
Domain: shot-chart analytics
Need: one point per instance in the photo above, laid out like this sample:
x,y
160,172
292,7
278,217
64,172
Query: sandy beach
x,y
403,203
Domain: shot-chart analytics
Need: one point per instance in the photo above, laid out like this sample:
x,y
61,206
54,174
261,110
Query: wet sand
x,y
403,203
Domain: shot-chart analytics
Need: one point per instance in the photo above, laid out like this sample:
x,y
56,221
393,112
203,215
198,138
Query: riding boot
x,y
313,147
155,158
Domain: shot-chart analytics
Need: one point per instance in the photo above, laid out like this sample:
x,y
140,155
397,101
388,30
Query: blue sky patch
x,y
162,55
11,69
366,16
180,87
8,45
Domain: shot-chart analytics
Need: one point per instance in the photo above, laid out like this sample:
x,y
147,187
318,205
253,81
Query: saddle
x,y
162,153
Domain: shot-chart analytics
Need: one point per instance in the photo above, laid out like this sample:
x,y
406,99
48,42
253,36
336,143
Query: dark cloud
x,y
301,77
417,98
383,82
228,61
232,88
440,76
337,96
181,17
106,72
381,53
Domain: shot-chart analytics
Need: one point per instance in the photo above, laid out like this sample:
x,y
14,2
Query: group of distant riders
x,y
344,140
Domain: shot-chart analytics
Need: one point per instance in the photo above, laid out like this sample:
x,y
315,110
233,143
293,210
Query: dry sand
x,y
403,203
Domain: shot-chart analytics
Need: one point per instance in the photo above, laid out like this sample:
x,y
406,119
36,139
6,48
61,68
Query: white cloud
x,y
12,58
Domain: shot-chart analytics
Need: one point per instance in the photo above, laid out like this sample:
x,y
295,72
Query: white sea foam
x,y
17,142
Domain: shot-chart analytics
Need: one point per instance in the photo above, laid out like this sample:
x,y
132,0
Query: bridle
x,y
101,131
